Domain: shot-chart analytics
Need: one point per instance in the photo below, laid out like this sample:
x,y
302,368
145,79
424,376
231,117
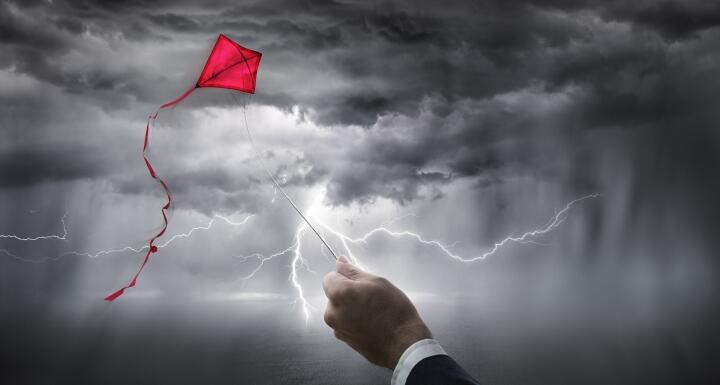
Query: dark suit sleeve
x,y
439,370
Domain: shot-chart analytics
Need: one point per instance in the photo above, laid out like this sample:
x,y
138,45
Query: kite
x,y
230,66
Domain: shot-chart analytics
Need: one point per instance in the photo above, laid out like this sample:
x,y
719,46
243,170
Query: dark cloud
x,y
480,118
605,64
674,20
25,167
174,22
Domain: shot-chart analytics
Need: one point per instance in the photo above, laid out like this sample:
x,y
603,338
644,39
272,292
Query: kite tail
x,y
151,245
176,101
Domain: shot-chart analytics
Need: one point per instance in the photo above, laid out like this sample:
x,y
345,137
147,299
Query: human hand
x,y
371,315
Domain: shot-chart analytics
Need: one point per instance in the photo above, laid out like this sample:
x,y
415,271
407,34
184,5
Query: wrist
x,y
403,338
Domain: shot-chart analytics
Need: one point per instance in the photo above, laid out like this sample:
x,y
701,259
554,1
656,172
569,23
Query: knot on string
x,y
153,249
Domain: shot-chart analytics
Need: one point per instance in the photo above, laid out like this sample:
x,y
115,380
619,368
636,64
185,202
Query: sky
x,y
463,122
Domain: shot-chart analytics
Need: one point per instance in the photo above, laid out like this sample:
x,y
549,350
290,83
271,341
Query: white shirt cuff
x,y
414,354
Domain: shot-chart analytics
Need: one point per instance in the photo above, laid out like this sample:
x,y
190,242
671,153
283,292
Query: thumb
x,y
348,270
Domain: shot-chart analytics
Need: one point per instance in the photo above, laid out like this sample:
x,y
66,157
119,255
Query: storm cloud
x,y
477,118
467,79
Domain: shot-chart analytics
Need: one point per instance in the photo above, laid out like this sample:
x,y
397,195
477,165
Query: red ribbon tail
x,y
151,247
179,99
114,295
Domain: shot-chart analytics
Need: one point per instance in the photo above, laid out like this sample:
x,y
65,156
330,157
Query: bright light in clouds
x,y
285,138
349,243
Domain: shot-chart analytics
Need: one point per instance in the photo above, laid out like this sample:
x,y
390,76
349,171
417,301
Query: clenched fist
x,y
371,315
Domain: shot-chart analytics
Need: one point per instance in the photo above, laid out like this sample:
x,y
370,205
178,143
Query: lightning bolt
x,y
524,238
62,237
122,249
298,261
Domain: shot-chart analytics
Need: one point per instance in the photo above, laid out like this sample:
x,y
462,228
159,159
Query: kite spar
x,y
230,66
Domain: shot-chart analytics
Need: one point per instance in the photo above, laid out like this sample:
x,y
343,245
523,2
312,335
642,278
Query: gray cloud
x,y
364,64
481,118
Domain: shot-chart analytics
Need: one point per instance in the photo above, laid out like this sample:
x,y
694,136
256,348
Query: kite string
x,y
275,182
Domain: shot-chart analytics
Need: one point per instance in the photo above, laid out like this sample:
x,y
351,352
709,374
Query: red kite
x,y
229,66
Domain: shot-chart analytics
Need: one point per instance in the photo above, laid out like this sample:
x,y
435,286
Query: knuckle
x,y
330,318
340,336
330,286
348,271
326,281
